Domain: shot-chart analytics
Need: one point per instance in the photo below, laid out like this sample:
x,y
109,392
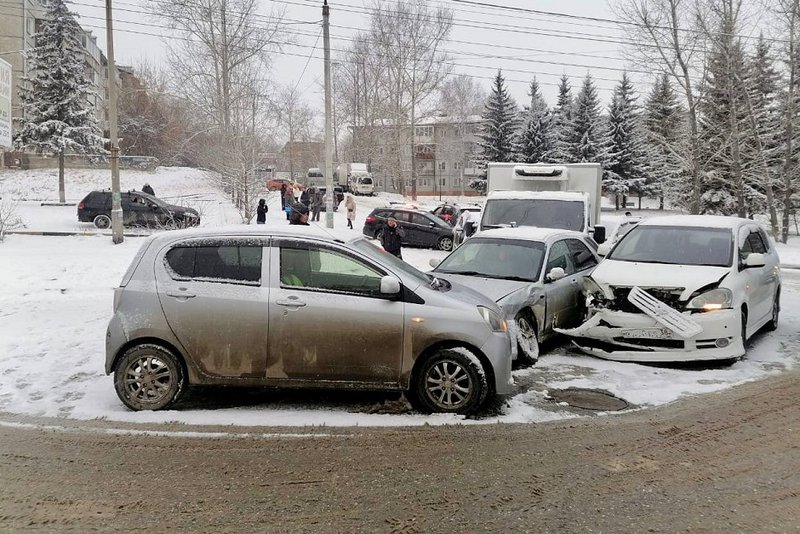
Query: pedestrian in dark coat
x,y
392,237
261,211
288,200
316,204
283,196
146,188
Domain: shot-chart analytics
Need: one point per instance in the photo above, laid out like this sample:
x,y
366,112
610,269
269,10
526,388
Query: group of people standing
x,y
311,200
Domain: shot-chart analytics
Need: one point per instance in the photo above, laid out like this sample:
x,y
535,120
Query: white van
x,y
362,185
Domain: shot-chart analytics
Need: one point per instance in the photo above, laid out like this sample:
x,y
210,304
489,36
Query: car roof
x,y
706,221
530,233
243,231
399,208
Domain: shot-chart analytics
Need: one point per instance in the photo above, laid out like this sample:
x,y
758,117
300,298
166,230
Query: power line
x,y
307,61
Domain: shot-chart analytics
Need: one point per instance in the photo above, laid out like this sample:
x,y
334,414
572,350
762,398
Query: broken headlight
x,y
496,323
592,289
716,299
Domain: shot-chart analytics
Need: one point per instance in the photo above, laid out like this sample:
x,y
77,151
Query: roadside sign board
x,y
5,104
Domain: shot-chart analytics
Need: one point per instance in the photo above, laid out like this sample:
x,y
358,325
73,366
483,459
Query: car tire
x,y
102,221
449,381
379,234
772,325
743,333
156,388
445,243
527,340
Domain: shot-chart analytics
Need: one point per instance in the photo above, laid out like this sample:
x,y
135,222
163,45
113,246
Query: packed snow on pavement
x,y
56,297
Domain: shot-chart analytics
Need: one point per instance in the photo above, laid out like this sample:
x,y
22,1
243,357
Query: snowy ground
x,y
56,297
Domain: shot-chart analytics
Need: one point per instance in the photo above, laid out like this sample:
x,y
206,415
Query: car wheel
x,y
450,382
527,341
171,224
379,235
446,243
776,311
102,221
149,377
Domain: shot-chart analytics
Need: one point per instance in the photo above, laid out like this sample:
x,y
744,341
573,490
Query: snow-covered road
x,y
56,298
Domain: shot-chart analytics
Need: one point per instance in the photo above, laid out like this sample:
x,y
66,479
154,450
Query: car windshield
x,y
381,256
151,198
514,259
676,245
365,181
566,215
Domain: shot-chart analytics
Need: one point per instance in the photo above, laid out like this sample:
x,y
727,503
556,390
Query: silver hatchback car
x,y
297,308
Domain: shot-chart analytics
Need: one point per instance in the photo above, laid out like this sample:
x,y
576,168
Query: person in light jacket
x,y
350,204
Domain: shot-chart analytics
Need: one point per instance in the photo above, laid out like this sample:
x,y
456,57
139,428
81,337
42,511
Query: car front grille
x,y
668,295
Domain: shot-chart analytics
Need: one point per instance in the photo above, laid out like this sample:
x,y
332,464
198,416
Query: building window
x,y
423,131
442,166
457,166
443,181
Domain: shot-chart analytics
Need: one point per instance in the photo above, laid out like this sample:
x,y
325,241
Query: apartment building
x,y
20,20
444,149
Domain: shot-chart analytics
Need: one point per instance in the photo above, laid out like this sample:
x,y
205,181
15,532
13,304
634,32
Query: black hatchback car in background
x,y
422,228
138,209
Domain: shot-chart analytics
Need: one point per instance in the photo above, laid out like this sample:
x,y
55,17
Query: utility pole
x,y
330,194
111,80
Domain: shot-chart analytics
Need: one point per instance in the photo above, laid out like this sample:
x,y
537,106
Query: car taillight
x,y
81,206
371,220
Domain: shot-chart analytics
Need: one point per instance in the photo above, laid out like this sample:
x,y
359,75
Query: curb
x,y
66,233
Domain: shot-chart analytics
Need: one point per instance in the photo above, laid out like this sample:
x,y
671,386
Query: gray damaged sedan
x,y
296,308
534,274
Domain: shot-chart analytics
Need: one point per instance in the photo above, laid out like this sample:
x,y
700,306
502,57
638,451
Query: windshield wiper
x,y
486,275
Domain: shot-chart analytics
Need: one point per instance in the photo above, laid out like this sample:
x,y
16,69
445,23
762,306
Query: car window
x,y
756,243
560,257
581,256
227,263
402,216
417,218
318,268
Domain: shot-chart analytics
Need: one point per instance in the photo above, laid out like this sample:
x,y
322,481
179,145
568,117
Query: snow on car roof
x,y
528,233
244,230
544,195
708,221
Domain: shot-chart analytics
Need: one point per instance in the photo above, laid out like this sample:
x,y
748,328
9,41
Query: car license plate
x,y
647,333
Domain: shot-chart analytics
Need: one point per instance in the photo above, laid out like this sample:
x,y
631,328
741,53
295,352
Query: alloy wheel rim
x,y
446,244
528,336
103,222
148,379
448,384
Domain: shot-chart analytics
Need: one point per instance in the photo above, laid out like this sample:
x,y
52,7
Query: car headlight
x,y
592,288
716,299
496,323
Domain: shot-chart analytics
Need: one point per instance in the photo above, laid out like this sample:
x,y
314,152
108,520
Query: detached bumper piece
x,y
659,334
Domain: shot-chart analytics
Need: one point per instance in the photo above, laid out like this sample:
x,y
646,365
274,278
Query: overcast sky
x,y
565,51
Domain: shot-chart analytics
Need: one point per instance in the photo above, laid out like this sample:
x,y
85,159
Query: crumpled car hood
x,y
494,288
644,275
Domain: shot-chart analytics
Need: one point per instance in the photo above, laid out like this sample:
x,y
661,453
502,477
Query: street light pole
x,y
328,155
111,80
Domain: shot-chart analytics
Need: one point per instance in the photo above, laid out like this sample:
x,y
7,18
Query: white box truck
x,y
548,196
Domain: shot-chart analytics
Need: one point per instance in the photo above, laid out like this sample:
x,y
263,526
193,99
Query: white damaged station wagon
x,y
682,288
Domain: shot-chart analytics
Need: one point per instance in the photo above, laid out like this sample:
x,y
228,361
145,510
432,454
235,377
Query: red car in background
x,y
276,183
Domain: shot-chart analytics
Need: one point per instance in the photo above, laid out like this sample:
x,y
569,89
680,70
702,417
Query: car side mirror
x,y
556,273
604,249
153,206
432,224
433,262
755,259
599,234
390,285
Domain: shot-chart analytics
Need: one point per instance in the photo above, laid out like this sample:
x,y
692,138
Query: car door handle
x,y
181,294
291,303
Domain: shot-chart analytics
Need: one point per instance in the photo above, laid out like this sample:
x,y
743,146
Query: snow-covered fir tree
x,y
726,187
625,162
496,136
562,117
663,122
534,141
57,116
763,83
585,136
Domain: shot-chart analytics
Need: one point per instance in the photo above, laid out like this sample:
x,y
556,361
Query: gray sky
x,y
546,57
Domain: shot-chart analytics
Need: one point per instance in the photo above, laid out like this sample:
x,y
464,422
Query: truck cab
x,y
565,197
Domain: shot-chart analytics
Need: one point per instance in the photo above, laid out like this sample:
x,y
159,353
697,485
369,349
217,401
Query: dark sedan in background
x,y
422,228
